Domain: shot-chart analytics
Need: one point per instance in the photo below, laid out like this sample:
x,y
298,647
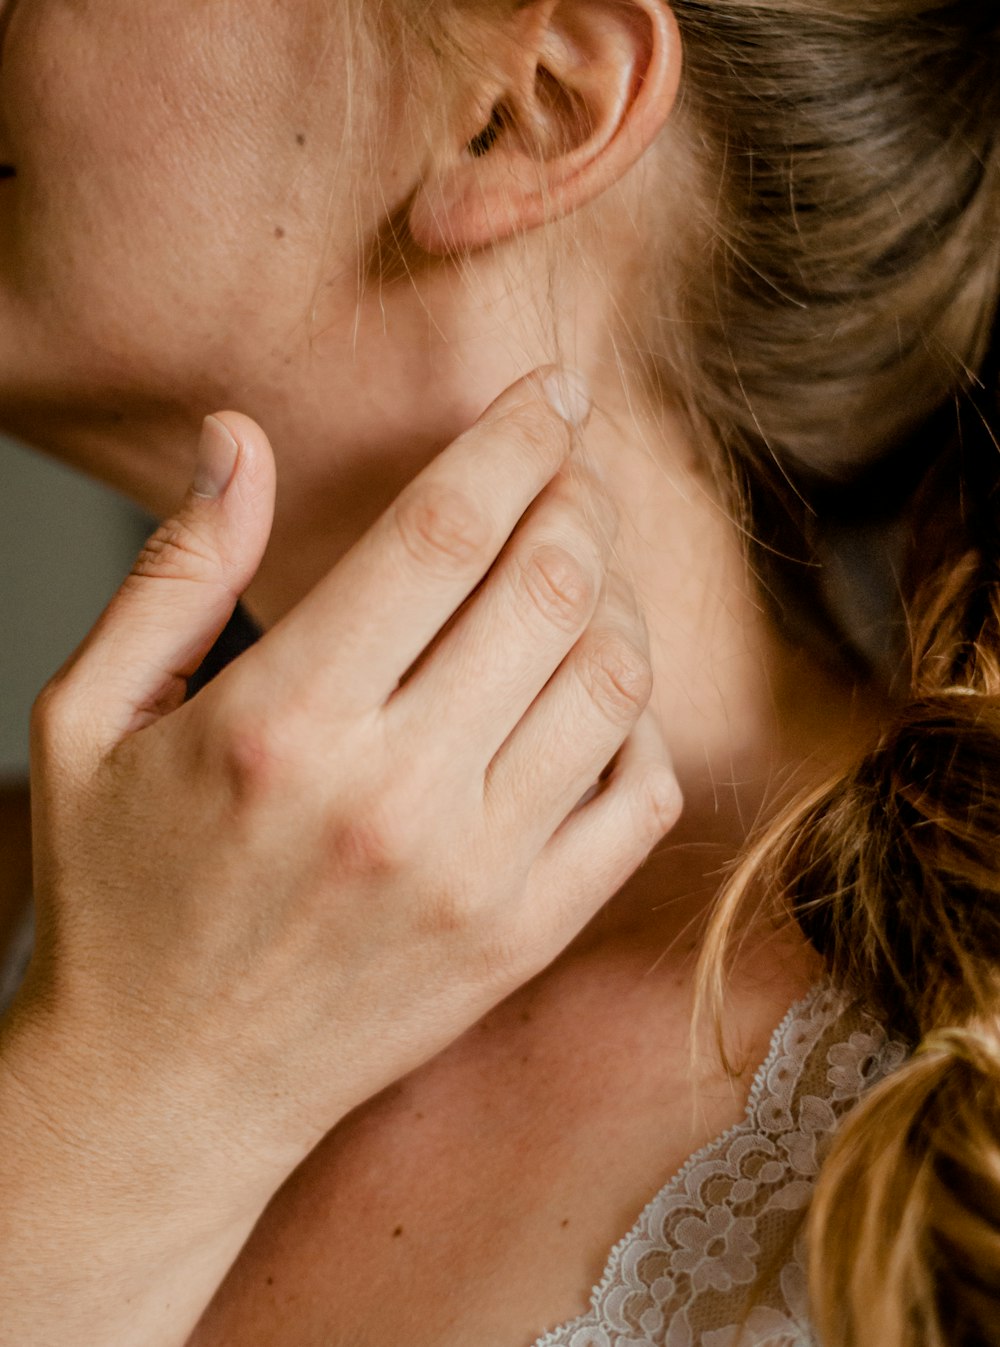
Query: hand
x,y
289,891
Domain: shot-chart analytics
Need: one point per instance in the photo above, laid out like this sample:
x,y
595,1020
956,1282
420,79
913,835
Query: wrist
x,y
136,1130
115,1232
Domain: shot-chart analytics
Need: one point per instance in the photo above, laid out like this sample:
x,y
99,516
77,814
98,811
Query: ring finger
x,y
475,683
577,724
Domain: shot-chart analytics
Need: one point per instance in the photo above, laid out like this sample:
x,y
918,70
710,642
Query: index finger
x,y
362,627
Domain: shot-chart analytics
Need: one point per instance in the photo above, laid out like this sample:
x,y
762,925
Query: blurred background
x,y
65,545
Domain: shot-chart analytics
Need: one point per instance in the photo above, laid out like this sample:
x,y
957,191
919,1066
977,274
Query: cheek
x,y
166,198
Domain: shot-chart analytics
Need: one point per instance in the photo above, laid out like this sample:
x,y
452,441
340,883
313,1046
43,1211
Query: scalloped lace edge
x,y
556,1337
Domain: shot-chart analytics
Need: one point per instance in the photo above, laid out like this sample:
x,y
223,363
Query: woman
x,y
298,1058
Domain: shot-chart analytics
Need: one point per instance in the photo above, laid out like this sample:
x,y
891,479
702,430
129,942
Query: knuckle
x,y
441,526
619,678
48,705
61,726
560,586
445,914
660,798
538,430
174,551
255,756
52,711
372,842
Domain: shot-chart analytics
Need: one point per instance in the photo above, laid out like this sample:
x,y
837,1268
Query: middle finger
x,y
477,682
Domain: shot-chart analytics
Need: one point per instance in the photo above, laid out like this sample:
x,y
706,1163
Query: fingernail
x,y
568,393
216,461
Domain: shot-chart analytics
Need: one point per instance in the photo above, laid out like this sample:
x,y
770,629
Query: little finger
x,y
605,841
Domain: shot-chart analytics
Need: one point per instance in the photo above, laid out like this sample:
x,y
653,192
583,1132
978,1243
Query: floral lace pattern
x,y
733,1214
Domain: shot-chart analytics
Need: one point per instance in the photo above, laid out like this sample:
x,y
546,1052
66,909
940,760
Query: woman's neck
x,y
748,718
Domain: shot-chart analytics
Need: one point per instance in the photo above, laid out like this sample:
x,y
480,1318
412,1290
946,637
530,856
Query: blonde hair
x,y
828,308
860,248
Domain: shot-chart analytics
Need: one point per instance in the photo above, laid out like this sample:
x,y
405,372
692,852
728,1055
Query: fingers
x,y
368,621
478,680
603,842
133,666
578,723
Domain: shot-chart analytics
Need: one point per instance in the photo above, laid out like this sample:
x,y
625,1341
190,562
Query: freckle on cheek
x,y
300,139
279,233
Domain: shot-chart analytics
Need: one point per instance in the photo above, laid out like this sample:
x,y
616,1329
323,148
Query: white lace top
x,y
680,1277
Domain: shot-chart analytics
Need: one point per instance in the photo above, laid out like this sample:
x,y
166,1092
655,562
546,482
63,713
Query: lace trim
x,y
734,1210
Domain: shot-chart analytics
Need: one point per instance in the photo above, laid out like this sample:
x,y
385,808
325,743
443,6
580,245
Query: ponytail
x,y
893,874
862,325
819,304
904,1229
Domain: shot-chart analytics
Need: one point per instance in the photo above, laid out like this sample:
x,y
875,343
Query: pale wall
x,y
65,545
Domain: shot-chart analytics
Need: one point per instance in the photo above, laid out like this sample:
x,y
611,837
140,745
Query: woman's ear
x,y
586,86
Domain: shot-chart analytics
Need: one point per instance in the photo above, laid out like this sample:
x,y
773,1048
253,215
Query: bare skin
x,y
615,1008
482,1195
512,1160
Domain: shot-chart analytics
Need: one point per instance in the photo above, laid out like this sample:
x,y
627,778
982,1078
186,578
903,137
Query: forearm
x,y
115,1231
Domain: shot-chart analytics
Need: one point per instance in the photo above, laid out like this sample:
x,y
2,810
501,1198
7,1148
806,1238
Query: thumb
x,y
132,668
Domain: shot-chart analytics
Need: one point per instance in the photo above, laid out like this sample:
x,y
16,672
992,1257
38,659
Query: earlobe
x,y
590,84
